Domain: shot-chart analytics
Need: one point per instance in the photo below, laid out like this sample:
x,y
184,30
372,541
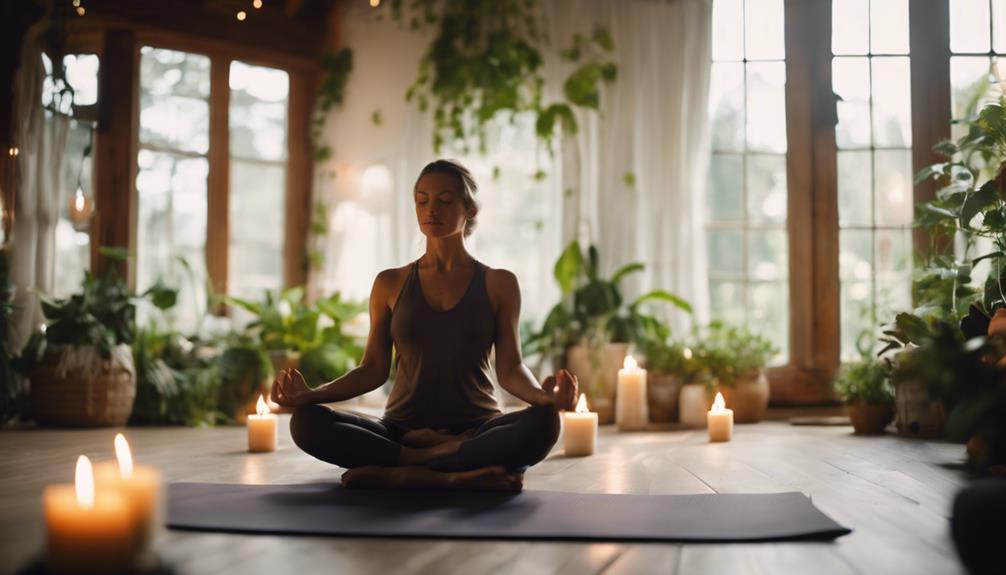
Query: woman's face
x,y
440,208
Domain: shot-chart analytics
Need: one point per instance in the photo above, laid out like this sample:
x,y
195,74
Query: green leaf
x,y
976,202
568,266
662,295
626,270
162,296
603,39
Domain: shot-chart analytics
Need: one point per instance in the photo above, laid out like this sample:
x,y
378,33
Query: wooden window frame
x,y
812,179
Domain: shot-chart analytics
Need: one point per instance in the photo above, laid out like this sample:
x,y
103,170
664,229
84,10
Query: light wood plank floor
x,y
894,493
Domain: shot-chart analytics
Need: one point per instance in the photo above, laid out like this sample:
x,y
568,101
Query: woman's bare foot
x,y
427,437
482,479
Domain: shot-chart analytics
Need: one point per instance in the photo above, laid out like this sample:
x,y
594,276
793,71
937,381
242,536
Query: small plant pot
x,y
869,419
598,376
76,387
693,405
748,397
662,391
917,414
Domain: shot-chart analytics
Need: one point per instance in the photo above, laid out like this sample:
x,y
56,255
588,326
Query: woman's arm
x,y
514,376
290,389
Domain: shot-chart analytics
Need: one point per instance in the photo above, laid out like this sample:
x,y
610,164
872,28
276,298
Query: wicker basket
x,y
74,398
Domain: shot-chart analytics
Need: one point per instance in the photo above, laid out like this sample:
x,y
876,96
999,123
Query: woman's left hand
x,y
562,389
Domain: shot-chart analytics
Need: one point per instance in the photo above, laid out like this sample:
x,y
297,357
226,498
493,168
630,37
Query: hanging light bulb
x,y
81,209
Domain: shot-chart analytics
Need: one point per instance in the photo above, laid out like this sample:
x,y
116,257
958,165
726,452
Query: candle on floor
x,y
262,431
630,400
720,420
88,530
140,485
579,430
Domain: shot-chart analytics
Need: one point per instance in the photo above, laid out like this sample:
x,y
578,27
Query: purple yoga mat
x,y
329,509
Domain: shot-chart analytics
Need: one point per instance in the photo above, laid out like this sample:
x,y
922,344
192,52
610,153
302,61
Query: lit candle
x,y
720,420
262,431
139,484
579,430
88,530
630,401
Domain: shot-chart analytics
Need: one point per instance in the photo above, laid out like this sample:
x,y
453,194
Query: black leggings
x,y
514,440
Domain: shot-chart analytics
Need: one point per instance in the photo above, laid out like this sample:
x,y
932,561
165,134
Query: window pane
x,y
726,106
894,294
893,187
73,243
857,322
766,125
82,74
764,30
258,104
724,199
889,26
171,180
726,252
855,255
766,188
728,30
768,259
727,302
999,26
851,80
893,255
892,103
769,305
969,26
855,179
850,26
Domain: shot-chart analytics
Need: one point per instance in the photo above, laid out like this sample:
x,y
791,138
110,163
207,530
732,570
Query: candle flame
x,y
84,482
719,404
261,408
125,457
581,406
78,200
630,363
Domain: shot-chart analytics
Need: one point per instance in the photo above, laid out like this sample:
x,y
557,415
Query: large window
x,y
870,74
746,199
978,61
172,180
258,154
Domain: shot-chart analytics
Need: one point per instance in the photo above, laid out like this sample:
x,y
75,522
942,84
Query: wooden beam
x,y
115,147
218,185
299,177
931,114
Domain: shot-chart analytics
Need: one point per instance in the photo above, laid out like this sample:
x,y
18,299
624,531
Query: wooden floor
x,y
894,493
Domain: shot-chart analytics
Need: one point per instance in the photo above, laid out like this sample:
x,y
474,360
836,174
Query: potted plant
x,y
924,344
865,386
669,367
81,369
589,331
735,359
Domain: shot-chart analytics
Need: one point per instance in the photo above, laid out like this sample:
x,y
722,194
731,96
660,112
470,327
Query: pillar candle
x,y
720,420
262,431
579,430
88,530
631,411
139,484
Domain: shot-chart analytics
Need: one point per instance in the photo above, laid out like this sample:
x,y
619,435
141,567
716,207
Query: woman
x,y
443,314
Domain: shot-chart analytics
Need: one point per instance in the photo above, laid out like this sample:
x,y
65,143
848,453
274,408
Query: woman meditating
x,y
443,313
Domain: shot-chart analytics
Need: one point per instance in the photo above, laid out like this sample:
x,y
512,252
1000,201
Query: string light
x,y
80,11
256,4
76,3
375,3
241,16
14,152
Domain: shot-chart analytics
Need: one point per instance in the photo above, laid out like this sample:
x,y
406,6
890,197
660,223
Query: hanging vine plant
x,y
486,59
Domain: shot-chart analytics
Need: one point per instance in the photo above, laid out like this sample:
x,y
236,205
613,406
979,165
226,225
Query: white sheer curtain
x,y
41,140
652,125
637,169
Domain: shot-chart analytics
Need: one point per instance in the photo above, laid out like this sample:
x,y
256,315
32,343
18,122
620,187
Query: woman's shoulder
x,y
390,282
501,285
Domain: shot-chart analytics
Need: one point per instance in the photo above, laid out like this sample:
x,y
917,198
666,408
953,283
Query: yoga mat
x,y
329,509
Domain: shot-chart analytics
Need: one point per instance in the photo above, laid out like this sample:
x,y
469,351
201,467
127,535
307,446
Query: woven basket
x,y
75,399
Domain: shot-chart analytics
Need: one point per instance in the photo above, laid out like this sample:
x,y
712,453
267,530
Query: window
x,y
746,198
171,183
977,42
870,74
258,154
76,192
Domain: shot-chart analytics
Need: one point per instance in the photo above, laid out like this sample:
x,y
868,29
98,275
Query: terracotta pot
x,y
598,378
693,405
916,413
748,397
662,396
869,419
64,395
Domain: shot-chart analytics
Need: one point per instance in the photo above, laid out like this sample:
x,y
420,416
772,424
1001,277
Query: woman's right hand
x,y
289,389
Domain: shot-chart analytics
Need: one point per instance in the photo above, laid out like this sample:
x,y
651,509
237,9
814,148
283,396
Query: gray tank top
x,y
442,357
